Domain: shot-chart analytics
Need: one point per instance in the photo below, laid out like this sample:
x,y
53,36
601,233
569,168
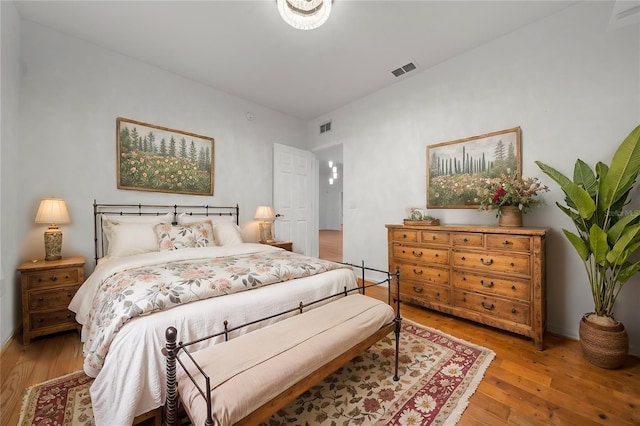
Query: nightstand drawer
x,y
47,299
45,278
51,318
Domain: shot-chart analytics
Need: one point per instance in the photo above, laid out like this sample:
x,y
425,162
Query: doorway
x,y
330,202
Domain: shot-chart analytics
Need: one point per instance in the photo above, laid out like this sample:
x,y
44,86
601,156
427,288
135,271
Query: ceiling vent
x,y
404,69
325,127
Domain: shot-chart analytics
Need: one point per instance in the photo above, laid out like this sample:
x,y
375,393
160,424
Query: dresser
x,y
491,275
47,289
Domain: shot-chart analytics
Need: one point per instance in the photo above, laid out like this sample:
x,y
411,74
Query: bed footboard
x,y
311,346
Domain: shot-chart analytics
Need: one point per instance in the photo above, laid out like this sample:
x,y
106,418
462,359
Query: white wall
x,y
9,141
569,83
71,94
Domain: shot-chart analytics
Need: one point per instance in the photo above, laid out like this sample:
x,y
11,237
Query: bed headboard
x,y
152,210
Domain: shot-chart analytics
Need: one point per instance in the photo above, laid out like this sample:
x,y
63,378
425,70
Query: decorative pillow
x,y
186,219
109,221
226,233
170,237
127,239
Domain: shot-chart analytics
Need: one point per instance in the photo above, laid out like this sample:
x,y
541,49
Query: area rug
x,y
438,373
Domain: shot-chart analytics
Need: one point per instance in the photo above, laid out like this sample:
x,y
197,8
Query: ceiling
x,y
245,49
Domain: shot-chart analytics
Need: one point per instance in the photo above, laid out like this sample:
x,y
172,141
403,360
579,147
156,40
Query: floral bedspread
x,y
147,289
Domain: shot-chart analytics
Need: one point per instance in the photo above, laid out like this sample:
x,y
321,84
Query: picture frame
x,y
160,159
457,168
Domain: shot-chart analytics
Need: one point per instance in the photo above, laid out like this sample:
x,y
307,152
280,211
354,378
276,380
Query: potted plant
x,y
511,195
607,237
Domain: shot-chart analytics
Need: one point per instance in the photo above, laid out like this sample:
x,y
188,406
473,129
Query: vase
x,y
603,346
510,216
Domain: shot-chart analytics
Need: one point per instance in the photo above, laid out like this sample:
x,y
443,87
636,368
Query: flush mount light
x,y
305,14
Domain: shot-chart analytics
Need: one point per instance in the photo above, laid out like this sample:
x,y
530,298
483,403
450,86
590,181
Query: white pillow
x,y
226,233
127,239
109,221
171,237
185,219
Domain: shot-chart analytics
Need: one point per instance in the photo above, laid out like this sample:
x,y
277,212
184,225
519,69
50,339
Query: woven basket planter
x,y
603,346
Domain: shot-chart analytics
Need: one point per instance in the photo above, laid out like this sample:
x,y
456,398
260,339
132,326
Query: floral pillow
x,y
172,237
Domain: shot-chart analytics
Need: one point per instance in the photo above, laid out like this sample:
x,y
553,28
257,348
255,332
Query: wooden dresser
x,y
491,275
47,288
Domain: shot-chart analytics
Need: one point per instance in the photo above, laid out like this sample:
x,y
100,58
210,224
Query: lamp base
x,y
266,235
52,244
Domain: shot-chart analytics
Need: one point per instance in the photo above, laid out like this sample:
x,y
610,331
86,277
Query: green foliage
x,y
607,235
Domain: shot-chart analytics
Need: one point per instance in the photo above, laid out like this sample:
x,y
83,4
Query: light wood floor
x,y
330,247
522,386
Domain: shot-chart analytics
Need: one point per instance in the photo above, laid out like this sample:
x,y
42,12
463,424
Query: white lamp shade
x,y
264,213
52,211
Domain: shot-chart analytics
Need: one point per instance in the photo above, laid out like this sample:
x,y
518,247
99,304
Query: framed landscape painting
x,y
456,169
155,158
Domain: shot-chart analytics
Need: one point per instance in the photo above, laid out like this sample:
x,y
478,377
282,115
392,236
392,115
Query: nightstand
x,y
287,245
47,288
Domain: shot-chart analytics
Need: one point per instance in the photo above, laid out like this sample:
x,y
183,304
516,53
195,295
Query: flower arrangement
x,y
510,190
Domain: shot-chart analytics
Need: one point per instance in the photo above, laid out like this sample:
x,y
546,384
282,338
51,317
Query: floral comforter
x,y
143,290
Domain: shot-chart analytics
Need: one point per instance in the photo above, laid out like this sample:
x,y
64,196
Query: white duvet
x,y
132,380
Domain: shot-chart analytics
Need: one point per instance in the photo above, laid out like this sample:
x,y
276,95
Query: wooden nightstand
x,y
287,245
47,288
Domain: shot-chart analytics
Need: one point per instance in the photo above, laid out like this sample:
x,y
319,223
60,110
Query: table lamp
x,y
266,216
52,211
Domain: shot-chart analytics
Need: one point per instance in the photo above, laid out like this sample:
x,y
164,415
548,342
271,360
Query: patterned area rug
x,y
438,374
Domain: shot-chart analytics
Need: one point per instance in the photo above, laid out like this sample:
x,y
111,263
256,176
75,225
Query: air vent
x,y
404,69
325,127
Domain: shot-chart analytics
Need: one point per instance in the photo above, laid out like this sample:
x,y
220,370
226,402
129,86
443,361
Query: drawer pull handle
x,y
40,319
438,294
513,311
464,240
507,242
464,258
488,308
417,289
53,278
40,299
420,272
513,287
416,254
487,262
68,315
404,235
433,237
487,285
69,294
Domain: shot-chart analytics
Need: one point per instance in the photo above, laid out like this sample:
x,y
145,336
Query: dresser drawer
x,y
509,242
421,254
467,240
493,306
40,279
402,235
428,293
493,262
435,237
48,299
51,318
433,274
511,287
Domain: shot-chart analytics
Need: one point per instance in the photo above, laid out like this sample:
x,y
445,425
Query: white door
x,y
294,192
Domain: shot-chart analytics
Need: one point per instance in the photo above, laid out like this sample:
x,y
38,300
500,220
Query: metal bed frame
x,y
151,210
173,348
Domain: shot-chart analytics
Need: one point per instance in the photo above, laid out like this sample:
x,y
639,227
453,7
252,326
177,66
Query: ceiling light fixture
x,y
304,14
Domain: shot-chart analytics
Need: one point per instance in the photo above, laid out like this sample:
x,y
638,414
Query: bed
x,y
183,266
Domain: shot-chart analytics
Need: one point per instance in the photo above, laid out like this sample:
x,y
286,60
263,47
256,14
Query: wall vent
x,y
325,127
404,69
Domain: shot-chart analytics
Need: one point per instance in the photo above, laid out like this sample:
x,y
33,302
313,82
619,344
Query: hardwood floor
x,y
522,386
330,245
